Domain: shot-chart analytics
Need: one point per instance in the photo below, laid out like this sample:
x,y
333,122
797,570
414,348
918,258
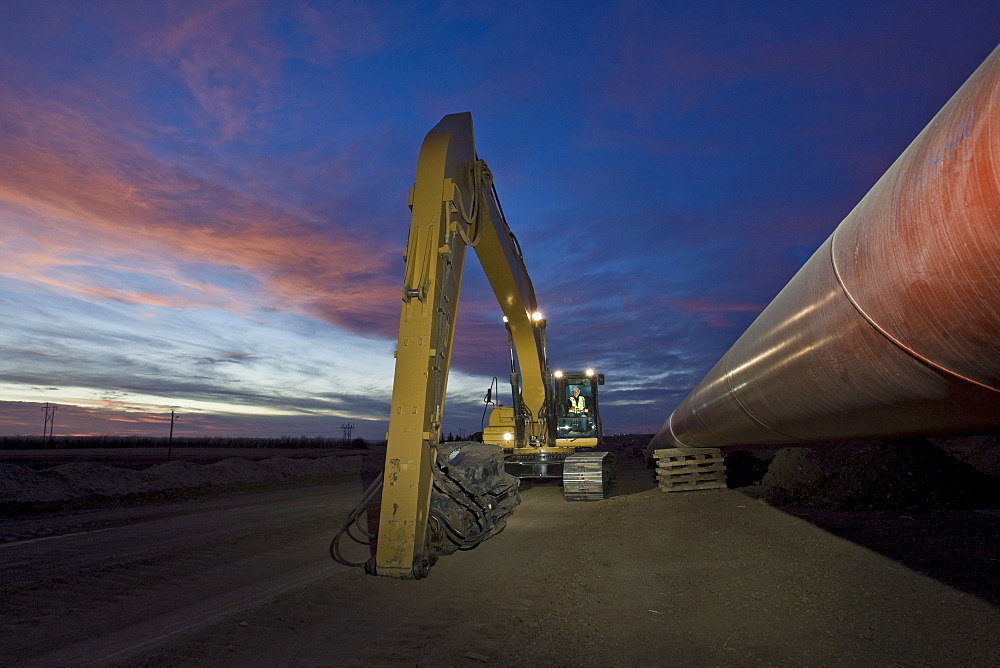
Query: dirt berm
x,y
911,475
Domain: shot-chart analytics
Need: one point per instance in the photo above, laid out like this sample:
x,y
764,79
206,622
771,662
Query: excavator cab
x,y
578,420
575,419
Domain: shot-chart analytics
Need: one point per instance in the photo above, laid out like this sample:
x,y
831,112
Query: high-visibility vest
x,y
578,404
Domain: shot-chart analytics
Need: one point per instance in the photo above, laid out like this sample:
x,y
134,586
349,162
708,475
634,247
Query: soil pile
x,y
983,452
900,475
77,482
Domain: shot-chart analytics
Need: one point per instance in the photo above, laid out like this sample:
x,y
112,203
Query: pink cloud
x,y
26,418
229,57
712,313
79,198
224,55
343,27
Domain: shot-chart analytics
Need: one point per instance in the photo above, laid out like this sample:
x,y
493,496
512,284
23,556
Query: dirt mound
x,y
234,470
82,479
21,486
982,452
794,467
899,475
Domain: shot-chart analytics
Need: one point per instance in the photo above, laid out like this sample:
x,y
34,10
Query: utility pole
x,y
170,441
50,422
347,427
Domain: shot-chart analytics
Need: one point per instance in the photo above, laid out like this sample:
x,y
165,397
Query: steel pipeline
x,y
892,328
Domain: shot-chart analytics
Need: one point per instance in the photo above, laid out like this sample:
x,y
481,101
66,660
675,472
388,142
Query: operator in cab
x,y
578,409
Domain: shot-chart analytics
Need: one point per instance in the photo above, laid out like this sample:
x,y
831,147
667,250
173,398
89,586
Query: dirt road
x,y
704,578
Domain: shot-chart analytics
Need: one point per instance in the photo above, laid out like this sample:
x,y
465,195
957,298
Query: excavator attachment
x,y
471,498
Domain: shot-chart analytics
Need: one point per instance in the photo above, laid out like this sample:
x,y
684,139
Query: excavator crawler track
x,y
588,476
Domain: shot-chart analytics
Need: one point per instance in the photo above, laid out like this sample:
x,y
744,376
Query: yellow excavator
x,y
436,497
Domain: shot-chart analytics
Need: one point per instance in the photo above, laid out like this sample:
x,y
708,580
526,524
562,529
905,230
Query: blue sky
x,y
203,204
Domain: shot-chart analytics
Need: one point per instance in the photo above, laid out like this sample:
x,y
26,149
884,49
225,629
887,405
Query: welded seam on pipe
x,y
899,344
732,393
678,441
682,444
673,435
694,412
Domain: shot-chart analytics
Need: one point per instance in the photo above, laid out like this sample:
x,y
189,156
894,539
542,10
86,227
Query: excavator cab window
x,y
576,395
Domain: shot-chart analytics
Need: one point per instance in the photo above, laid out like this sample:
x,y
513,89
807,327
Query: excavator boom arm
x,y
453,207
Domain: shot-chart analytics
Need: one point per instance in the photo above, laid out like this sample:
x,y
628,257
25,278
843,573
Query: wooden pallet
x,y
689,469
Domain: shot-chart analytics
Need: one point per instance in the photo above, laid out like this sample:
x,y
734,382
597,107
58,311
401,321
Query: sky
x,y
203,204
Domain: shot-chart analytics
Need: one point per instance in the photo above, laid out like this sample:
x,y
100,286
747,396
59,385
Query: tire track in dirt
x,y
99,596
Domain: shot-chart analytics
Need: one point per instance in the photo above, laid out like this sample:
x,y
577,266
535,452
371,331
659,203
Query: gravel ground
x,y
720,577
645,578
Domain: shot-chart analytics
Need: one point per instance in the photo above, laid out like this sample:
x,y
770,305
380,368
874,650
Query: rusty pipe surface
x,y
892,328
